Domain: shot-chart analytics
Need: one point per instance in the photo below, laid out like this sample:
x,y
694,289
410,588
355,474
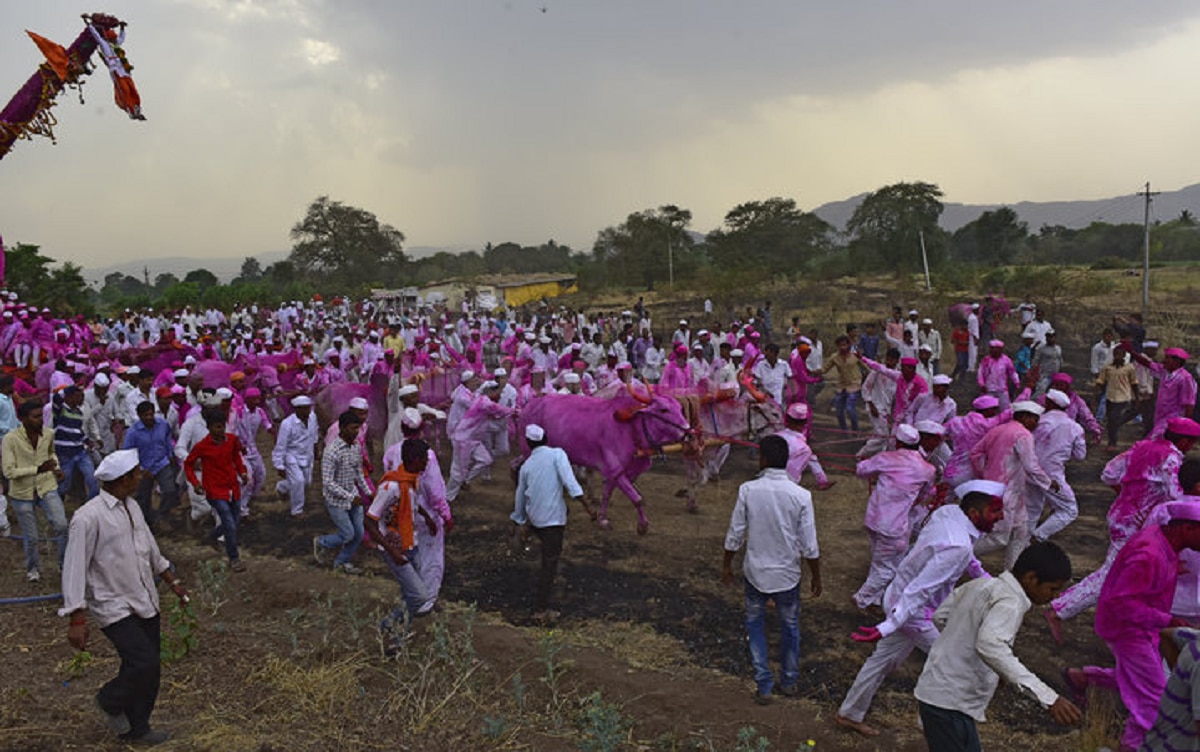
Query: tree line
x,y
338,248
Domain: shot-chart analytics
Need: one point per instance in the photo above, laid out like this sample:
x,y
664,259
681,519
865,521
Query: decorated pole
x,y
28,113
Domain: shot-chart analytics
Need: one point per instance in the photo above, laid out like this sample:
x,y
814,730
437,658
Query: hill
x,y
1072,214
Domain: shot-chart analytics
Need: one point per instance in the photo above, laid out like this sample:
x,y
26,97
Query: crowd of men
x,y
173,406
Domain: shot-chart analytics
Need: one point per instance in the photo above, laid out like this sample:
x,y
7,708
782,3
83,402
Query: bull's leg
x,y
628,489
602,519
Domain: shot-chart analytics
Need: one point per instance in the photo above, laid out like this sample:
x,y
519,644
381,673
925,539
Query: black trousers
x,y
1117,417
552,545
948,730
135,688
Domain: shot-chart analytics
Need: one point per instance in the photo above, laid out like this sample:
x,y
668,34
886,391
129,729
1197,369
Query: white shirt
x,y
934,340
1102,355
191,433
1057,439
296,441
102,571
1037,330
979,623
540,484
773,378
926,575
774,517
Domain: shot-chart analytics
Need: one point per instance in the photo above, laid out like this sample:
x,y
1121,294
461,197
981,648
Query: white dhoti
x,y
1063,508
294,484
887,551
431,555
470,458
257,470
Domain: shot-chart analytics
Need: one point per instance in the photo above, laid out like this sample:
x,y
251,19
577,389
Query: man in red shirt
x,y
221,467
962,346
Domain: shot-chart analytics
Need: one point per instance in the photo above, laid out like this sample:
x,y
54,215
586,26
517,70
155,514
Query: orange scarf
x,y
399,519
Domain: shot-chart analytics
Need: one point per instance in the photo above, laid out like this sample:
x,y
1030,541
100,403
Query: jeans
x,y
349,524
168,493
135,688
227,514
82,462
787,605
413,597
52,506
846,402
948,730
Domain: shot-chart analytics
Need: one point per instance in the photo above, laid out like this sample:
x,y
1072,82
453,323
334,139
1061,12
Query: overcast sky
x,y
462,122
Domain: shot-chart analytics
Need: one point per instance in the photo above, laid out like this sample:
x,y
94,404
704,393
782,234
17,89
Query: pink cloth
x,y
928,407
1058,439
902,477
995,374
1176,396
906,391
675,379
963,433
1079,412
1134,604
1006,454
801,457
1151,477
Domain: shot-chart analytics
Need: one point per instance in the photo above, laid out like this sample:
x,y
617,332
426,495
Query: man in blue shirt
x,y
540,507
151,437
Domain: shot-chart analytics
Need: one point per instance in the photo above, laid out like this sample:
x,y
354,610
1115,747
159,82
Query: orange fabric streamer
x,y
400,521
55,54
126,94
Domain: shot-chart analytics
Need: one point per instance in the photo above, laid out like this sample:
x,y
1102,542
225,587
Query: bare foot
x,y
1054,623
843,722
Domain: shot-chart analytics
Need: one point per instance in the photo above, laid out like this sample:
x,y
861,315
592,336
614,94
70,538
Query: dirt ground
x,y
288,658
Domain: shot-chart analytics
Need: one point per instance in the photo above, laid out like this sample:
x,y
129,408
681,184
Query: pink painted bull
x,y
612,436
334,399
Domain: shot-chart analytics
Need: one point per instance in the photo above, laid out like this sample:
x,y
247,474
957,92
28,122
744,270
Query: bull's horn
x,y
644,400
625,414
747,382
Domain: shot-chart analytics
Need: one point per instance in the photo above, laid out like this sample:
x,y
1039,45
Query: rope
x,y
30,599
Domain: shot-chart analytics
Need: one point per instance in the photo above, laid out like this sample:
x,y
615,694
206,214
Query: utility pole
x,y
1146,253
924,260
670,265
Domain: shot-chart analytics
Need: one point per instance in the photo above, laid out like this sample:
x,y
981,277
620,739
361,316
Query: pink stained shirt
x,y
1007,454
1058,439
995,374
1136,596
928,407
801,457
675,378
1077,411
902,478
906,391
1149,476
1176,396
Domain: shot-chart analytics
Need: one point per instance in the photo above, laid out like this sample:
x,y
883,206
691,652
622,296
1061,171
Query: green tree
x,y
769,237
202,279
641,249
995,237
251,270
889,222
346,246
29,274
181,294
163,281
